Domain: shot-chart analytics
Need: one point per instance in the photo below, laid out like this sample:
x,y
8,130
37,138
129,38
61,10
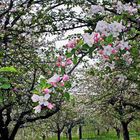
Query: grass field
x,y
88,134
103,136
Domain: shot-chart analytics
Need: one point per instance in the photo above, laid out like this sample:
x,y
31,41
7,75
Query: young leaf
x,y
8,69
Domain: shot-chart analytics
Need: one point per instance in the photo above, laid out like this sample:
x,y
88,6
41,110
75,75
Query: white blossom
x,y
102,27
37,109
115,28
126,8
54,79
96,9
122,45
35,98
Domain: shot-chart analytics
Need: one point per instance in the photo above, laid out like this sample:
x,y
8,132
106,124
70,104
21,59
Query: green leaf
x,y
1,98
68,84
42,83
5,86
80,43
3,79
68,54
75,59
135,52
109,40
8,69
67,96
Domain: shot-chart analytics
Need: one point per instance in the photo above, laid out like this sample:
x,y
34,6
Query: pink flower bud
x,y
50,106
59,59
101,52
53,84
106,57
58,64
62,84
69,61
110,45
63,64
71,44
114,51
65,77
15,89
46,91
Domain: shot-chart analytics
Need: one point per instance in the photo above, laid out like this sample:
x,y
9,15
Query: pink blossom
x,y
46,91
50,106
54,79
69,61
15,89
122,45
63,64
59,59
65,77
105,57
58,64
101,52
53,84
71,44
114,51
96,37
62,84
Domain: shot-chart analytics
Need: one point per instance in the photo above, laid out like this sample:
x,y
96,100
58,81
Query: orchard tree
x,y
24,22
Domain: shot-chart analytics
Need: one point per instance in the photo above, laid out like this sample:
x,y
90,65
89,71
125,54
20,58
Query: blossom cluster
x,y
115,51
63,62
42,100
119,49
120,7
71,44
96,9
114,28
93,38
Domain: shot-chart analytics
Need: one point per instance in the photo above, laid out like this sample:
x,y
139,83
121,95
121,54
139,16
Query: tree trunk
x,y
118,132
58,135
66,135
43,137
70,133
107,130
98,132
4,134
125,131
80,132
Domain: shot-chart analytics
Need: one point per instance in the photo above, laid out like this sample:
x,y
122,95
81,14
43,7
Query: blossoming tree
x,y
113,34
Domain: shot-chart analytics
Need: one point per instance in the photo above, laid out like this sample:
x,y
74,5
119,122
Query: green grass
x,y
103,136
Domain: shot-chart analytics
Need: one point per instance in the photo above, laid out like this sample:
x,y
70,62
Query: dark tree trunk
x,y
98,132
58,135
125,131
118,132
43,137
15,130
4,134
80,132
70,133
107,130
66,135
